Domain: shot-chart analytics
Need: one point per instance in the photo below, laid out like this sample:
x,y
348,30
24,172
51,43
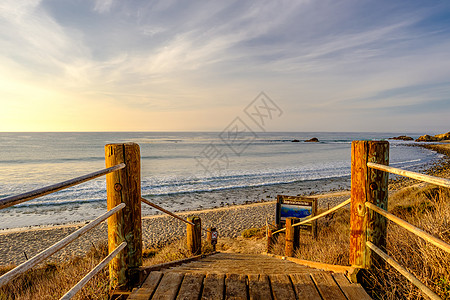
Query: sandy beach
x,y
17,244
229,221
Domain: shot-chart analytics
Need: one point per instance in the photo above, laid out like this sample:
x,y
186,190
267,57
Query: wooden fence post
x,y
124,186
269,240
292,237
194,235
372,186
209,235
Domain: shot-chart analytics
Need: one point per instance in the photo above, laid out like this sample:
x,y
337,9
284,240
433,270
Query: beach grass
x,y
53,280
426,207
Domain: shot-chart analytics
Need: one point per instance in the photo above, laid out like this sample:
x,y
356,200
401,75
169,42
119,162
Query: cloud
x,y
103,6
329,57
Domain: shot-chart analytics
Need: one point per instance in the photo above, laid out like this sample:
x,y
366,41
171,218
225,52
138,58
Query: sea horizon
x,y
177,168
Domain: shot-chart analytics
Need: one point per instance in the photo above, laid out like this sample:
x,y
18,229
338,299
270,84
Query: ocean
x,y
187,164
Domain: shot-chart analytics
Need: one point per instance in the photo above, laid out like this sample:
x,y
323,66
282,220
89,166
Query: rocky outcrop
x,y
436,138
313,140
402,138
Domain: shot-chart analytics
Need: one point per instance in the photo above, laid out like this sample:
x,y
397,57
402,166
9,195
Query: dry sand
x,y
156,230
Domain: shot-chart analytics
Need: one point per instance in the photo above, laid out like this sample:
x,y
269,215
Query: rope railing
x,y
166,211
5,278
403,271
419,232
422,177
169,213
342,204
76,288
17,199
411,228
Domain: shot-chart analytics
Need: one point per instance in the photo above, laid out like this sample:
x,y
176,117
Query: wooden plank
x,y
148,287
304,287
213,287
353,291
327,287
281,287
259,287
314,264
171,264
168,287
236,287
191,287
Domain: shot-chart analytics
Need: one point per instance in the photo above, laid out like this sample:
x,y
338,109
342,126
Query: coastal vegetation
x,y
426,206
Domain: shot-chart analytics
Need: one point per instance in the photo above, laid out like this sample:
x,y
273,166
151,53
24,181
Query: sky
x,y
109,65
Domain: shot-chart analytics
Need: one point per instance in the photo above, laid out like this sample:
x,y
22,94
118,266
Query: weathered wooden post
x,y
124,186
269,240
368,185
209,235
292,237
194,235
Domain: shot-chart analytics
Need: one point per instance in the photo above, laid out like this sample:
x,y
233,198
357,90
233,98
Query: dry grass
x,y
332,243
52,280
427,208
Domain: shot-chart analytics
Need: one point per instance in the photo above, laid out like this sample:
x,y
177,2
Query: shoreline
x,y
230,220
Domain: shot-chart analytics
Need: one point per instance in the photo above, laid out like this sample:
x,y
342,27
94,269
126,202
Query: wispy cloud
x,y
180,56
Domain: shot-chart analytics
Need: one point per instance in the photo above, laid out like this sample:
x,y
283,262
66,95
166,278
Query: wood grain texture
x,y
292,237
259,287
194,235
191,287
269,240
235,287
377,189
148,287
282,288
124,186
304,287
327,287
368,185
357,208
351,290
168,287
213,287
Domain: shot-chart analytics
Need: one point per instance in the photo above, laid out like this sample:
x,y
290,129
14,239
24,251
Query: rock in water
x,y
436,138
295,141
402,138
313,140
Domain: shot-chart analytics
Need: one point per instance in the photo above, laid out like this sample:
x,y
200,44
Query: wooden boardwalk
x,y
246,276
